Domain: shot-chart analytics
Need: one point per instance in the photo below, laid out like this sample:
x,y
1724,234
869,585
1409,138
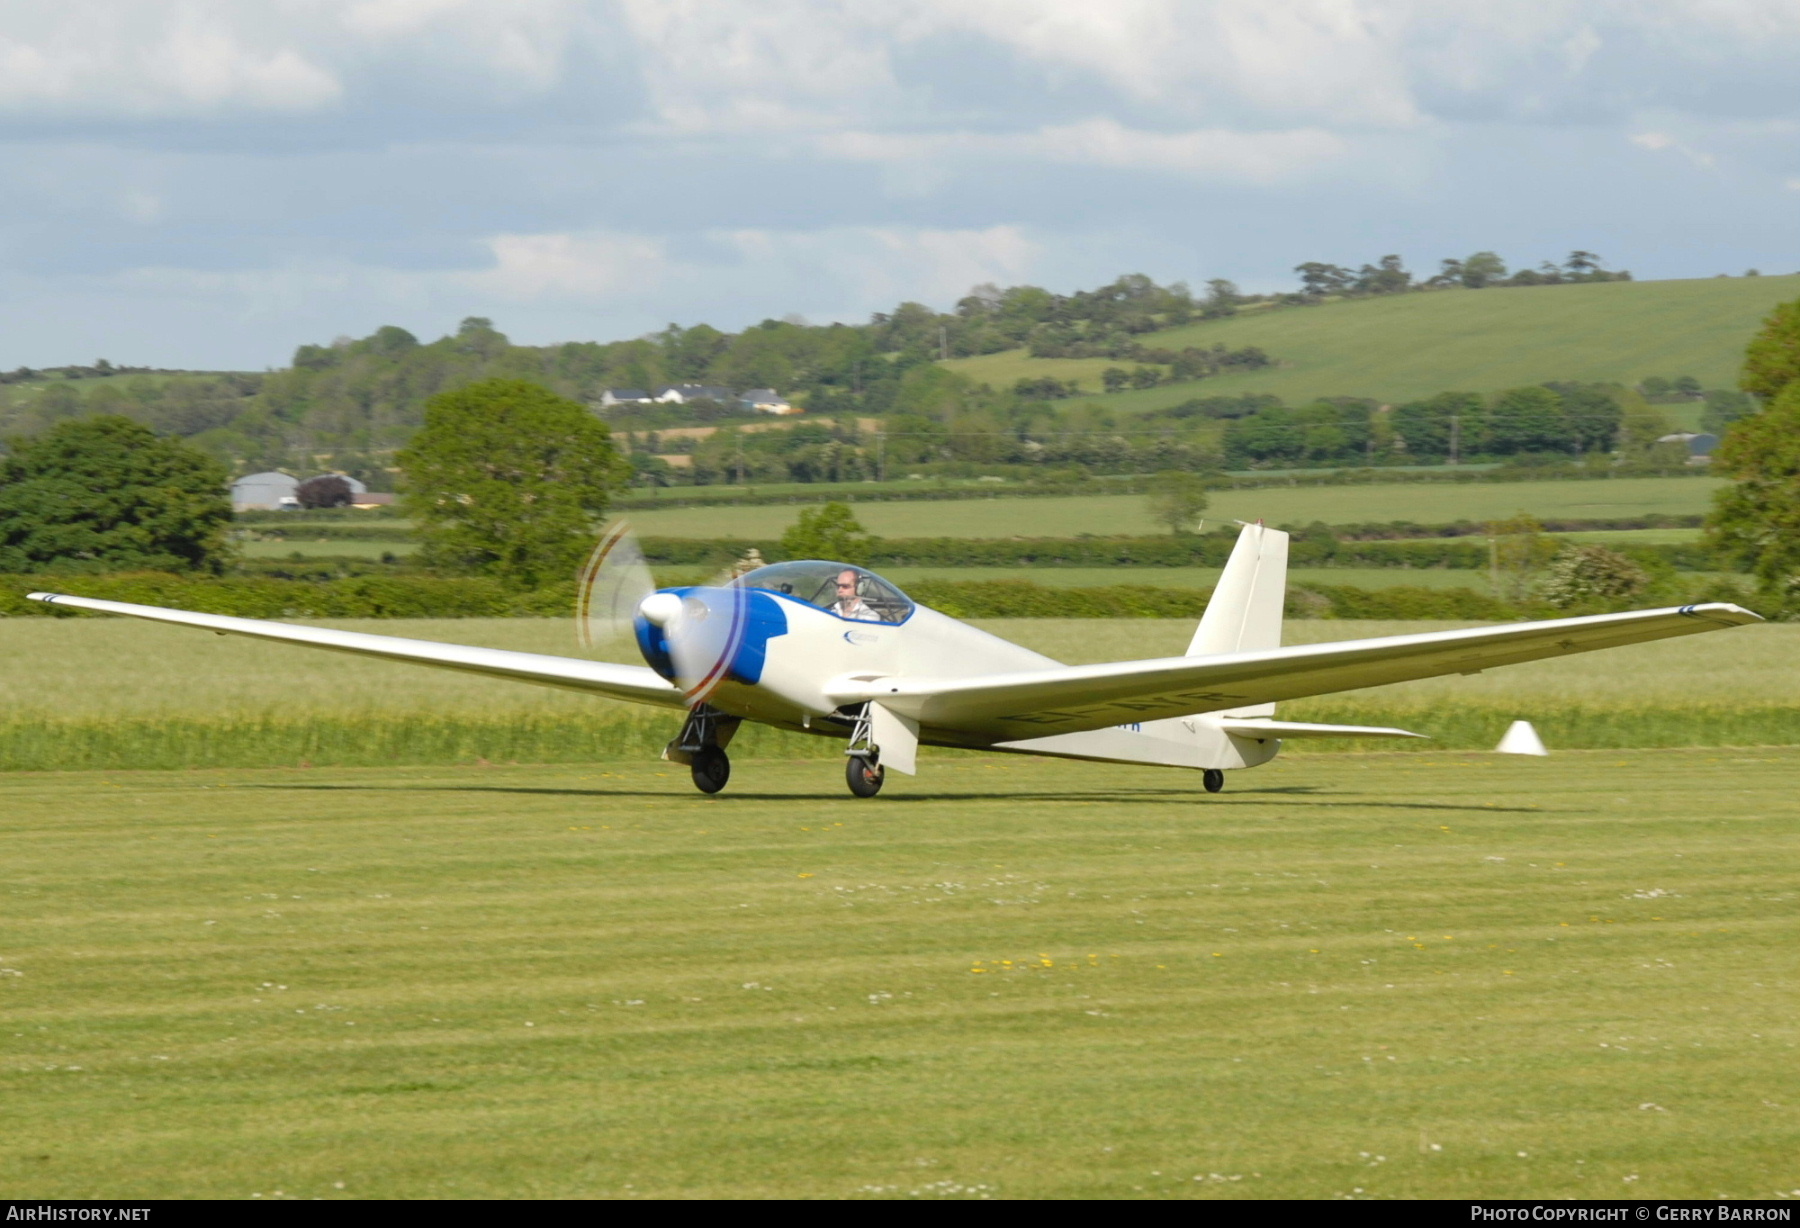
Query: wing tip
x,y
1723,611
46,597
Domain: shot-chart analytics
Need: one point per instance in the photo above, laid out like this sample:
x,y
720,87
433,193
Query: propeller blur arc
x,y
612,583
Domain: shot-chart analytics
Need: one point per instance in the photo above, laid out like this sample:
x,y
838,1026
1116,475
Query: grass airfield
x,y
1370,975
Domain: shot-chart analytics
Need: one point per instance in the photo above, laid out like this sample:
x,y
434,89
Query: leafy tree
x,y
1427,426
1481,269
1641,430
1528,420
1756,521
1318,279
509,479
1388,276
829,531
1723,407
1772,361
1222,297
1593,413
1590,577
106,492
326,490
1177,499
1519,550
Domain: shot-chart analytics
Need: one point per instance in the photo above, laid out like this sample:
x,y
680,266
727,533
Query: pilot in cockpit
x,y
849,603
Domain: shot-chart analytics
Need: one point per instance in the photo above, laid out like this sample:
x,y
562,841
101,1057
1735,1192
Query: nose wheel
x,y
1213,779
864,775
711,768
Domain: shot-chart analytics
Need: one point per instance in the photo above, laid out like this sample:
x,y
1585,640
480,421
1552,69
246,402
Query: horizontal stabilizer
x,y
1256,727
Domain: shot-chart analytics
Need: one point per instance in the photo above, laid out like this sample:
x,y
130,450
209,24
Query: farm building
x,y
260,492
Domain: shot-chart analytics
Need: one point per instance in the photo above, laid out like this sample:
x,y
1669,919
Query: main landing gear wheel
x,y
863,775
1213,779
711,768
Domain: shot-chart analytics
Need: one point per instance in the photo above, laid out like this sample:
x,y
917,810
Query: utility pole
x,y
1455,439
943,342
881,456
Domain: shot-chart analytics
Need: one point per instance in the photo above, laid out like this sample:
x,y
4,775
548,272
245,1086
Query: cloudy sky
x,y
207,183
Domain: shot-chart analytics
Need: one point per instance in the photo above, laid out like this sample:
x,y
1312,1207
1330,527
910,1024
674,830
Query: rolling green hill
x,y
1403,347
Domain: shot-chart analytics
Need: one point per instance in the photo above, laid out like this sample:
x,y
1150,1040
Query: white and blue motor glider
x,y
835,650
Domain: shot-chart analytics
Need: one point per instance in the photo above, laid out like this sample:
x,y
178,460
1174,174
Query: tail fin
x,y
1244,614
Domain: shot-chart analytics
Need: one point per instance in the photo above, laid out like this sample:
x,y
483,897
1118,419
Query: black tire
x,y
1213,779
864,776
711,768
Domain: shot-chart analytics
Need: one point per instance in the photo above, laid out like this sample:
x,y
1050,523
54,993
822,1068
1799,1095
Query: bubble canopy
x,y
852,593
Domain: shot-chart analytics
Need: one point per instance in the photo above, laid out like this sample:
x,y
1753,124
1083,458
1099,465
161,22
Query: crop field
x,y
1408,346
1424,975
325,548
1111,515
117,694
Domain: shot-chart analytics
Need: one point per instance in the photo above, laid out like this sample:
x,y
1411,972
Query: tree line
x,y
348,404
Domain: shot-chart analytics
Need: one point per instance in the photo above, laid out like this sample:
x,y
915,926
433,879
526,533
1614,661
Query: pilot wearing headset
x,y
848,603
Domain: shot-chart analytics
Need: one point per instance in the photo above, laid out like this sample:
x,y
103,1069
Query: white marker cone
x,y
1521,739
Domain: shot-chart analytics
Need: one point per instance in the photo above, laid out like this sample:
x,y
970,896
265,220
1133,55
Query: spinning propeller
x,y
703,628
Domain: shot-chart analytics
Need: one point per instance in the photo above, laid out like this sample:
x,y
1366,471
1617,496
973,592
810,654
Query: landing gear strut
x,y
862,766
701,745
1213,779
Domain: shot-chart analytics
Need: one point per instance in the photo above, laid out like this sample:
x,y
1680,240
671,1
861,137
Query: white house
x,y
624,396
681,394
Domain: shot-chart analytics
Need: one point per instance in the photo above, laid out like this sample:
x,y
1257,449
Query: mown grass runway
x,y
1382,975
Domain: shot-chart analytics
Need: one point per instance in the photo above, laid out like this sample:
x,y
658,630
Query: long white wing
x,y
1077,697
633,682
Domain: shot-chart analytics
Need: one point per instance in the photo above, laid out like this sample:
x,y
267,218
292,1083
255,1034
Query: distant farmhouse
x,y
273,492
1700,446
756,400
625,396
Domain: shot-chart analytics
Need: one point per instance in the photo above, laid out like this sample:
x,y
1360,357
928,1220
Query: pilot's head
x,y
846,585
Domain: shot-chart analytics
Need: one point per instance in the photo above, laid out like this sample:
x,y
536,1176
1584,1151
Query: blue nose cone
x,y
764,619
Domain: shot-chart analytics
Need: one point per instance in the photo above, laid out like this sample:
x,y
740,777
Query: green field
x,y
1408,346
94,668
1193,577
1112,515
1431,975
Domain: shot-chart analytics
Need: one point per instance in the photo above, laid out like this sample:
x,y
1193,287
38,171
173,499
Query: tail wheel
x,y
711,768
1213,779
864,775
